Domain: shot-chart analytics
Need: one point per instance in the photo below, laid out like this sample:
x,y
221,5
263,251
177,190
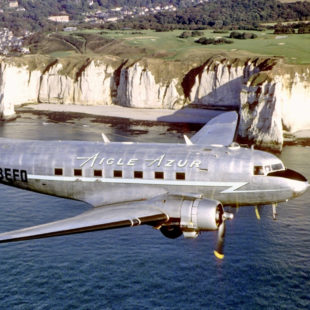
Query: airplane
x,y
176,188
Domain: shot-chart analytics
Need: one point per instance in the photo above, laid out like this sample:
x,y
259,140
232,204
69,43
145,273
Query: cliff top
x,y
293,48
74,66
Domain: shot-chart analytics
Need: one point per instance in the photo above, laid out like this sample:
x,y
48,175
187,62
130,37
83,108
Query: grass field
x,y
295,49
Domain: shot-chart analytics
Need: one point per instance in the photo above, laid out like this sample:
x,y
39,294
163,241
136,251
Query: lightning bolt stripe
x,y
232,186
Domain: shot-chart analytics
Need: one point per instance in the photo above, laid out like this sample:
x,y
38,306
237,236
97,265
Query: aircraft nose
x,y
299,182
299,188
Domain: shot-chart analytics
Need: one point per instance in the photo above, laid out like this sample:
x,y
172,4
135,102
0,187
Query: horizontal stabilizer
x,y
219,130
113,216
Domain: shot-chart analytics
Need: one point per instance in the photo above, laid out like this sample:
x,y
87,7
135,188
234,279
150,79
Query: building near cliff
x,y
13,4
59,18
69,29
271,97
12,44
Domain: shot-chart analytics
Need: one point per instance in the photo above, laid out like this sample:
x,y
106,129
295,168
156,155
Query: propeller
x,y
257,212
274,211
219,252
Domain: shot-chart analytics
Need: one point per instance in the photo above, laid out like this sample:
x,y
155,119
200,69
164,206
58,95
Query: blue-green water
x,y
266,266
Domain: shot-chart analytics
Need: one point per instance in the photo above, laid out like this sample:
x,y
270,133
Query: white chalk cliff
x,y
270,96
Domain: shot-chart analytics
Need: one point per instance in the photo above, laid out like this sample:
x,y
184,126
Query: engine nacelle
x,y
200,215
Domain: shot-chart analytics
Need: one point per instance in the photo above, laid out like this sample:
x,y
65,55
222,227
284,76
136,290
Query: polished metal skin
x,y
180,188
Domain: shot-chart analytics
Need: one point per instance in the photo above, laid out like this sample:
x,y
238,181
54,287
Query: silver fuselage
x,y
105,173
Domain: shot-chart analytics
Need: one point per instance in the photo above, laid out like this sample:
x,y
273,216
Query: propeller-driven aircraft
x,y
176,188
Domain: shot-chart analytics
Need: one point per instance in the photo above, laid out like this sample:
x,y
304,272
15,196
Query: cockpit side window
x,y
267,169
264,170
259,170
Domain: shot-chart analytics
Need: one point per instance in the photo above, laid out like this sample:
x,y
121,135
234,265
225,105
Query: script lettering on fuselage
x,y
160,161
12,175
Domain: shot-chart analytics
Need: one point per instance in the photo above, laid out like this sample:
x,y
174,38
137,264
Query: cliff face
x,y
273,101
18,85
220,81
260,114
293,96
270,96
138,88
88,83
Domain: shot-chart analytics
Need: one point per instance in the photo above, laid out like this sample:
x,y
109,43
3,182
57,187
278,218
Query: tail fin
x,y
219,130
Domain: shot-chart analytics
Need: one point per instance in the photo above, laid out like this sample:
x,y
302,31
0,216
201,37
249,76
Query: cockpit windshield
x,y
264,170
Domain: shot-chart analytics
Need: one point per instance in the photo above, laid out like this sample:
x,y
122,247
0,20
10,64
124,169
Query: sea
x,y
266,264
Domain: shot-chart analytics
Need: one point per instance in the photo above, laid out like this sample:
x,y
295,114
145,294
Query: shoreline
x,y
185,115
190,115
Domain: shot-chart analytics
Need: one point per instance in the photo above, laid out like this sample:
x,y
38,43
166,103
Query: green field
x,y
295,49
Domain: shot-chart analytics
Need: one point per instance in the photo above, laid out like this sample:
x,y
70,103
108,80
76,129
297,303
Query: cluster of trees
x,y
304,29
188,34
242,35
233,35
240,14
283,29
206,41
142,3
293,28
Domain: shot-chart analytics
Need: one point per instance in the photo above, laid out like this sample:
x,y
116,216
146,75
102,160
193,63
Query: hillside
x,y
36,15
290,1
231,13
169,46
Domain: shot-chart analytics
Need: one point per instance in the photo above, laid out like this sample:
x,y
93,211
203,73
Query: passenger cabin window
x,y
138,174
159,175
77,172
118,173
180,176
58,171
97,173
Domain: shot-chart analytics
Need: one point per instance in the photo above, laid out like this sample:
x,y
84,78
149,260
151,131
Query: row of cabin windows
x,y
119,174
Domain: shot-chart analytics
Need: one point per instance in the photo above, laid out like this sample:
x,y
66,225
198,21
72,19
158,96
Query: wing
x,y
100,218
219,130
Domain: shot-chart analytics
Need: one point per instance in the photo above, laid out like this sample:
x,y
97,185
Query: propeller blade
x,y
274,211
257,212
219,253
